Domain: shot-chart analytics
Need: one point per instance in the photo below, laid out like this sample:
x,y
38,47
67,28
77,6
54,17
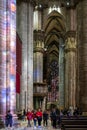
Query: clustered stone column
x,y
38,68
38,57
22,31
82,53
61,74
7,57
25,31
30,56
70,69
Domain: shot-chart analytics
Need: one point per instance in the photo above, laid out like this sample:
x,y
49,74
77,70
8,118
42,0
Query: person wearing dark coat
x,y
45,118
53,116
9,119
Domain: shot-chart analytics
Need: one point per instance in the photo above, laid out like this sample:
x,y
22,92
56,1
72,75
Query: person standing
x,y
34,118
29,115
53,116
39,116
9,120
45,118
24,114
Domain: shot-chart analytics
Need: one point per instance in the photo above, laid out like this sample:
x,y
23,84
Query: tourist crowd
x,y
38,117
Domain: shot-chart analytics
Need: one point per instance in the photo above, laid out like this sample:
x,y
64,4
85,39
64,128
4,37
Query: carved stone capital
x,y
38,49
70,50
70,34
70,44
39,35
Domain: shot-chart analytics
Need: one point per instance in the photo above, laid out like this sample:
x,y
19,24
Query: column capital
x,y
70,33
38,35
70,41
38,41
70,50
39,49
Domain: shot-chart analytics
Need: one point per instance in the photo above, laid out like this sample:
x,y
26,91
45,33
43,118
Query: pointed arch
x,y
55,27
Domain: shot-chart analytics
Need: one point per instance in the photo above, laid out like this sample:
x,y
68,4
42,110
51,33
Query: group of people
x,y
37,116
56,115
72,112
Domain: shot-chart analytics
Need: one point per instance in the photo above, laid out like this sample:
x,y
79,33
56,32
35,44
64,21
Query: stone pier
x,y
82,54
25,31
70,70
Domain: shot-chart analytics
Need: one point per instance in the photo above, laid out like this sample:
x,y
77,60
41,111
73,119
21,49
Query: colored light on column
x,y
13,7
7,55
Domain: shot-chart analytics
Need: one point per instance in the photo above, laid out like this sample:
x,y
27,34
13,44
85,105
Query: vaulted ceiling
x,y
45,3
54,29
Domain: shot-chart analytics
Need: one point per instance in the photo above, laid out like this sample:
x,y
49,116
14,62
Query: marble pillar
x,y
25,31
38,47
30,55
61,74
22,31
70,70
7,56
82,53
38,66
38,57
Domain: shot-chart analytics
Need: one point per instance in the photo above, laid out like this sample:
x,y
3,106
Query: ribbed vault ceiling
x,y
54,29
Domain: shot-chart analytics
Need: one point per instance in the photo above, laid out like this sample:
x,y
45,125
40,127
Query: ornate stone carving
x,y
70,42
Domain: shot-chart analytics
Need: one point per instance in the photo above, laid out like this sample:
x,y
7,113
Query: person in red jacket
x,y
29,115
39,116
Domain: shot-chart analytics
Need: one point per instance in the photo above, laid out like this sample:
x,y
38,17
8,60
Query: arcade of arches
x,y
51,55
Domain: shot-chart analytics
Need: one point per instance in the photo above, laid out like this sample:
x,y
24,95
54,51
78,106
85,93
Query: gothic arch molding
x,y
54,30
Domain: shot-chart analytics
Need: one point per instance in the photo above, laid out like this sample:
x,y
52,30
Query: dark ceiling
x,y
45,3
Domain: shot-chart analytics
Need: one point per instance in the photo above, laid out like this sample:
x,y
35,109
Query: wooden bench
x,y
75,124
73,117
75,129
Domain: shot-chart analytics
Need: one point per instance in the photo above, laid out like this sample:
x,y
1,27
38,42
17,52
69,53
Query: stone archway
x,y
54,31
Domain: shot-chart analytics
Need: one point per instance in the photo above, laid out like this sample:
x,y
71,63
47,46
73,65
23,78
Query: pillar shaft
x,y
7,56
38,67
22,31
25,31
61,74
38,56
82,54
30,56
70,72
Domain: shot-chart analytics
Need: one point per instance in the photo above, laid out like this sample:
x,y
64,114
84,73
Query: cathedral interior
x,y
50,64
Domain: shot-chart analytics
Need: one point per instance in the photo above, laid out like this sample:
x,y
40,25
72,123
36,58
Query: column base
x,y
2,125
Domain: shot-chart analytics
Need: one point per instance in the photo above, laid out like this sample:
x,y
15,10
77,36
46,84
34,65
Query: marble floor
x,y
22,125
